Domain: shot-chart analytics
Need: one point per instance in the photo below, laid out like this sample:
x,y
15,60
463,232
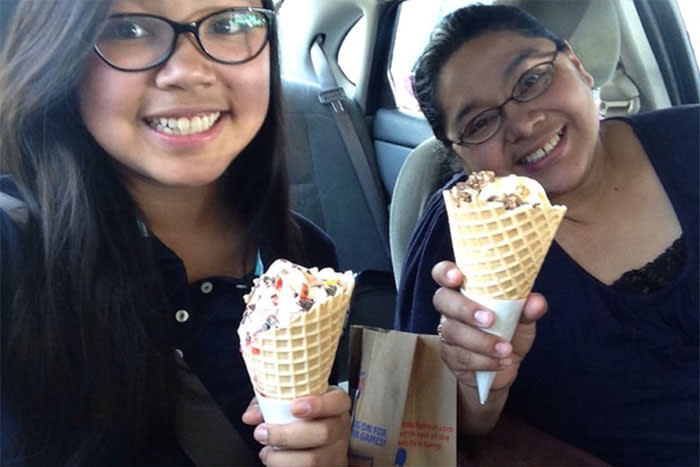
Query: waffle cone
x,y
500,250
296,360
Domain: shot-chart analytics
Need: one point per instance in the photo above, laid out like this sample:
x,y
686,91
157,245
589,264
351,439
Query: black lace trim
x,y
656,274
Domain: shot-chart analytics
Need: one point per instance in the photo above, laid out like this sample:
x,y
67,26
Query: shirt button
x,y
179,352
206,287
181,316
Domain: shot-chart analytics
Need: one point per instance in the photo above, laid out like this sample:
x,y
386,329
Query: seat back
x,y
428,167
324,185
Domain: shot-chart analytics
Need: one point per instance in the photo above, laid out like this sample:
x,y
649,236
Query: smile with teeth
x,y
184,125
544,150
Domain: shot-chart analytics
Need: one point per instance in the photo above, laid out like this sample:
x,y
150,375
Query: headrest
x,y
590,26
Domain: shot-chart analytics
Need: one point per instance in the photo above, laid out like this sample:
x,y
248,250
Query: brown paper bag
x,y
405,407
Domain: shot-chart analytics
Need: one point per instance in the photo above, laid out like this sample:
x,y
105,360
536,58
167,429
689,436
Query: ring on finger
x,y
439,332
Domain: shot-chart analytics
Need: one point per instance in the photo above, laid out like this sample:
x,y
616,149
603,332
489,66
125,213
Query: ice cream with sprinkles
x,y
289,333
285,290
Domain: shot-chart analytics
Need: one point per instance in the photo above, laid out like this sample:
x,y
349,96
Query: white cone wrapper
x,y
275,411
507,315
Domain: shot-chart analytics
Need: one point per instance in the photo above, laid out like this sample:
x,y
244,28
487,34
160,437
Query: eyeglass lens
x,y
530,85
135,42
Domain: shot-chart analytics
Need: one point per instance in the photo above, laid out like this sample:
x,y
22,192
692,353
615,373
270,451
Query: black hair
x,y
87,370
449,36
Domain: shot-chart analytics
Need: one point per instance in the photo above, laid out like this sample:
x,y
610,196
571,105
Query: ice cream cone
x,y
296,360
500,251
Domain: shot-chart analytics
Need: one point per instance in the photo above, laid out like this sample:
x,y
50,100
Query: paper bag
x,y
405,400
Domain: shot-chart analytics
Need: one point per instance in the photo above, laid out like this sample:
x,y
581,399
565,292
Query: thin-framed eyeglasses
x,y
531,84
139,41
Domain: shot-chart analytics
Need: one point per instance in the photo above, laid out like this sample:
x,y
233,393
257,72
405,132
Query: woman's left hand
x,y
321,438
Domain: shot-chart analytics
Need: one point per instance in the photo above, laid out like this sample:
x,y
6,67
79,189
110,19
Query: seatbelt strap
x,y
334,95
15,208
204,432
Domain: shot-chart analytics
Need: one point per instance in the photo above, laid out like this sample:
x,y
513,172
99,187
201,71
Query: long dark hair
x,y
450,34
87,370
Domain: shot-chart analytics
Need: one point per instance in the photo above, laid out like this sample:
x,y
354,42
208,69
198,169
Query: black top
x,y
610,371
204,317
213,307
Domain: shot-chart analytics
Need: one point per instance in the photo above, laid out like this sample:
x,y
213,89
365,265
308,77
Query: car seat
x,y
592,29
324,184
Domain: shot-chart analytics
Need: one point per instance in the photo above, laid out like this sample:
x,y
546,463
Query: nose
x,y
519,120
187,67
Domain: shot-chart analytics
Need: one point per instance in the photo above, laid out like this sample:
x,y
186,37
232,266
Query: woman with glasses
x,y
143,140
614,366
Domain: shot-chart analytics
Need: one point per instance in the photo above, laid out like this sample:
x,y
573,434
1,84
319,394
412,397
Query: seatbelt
x,y
333,95
14,208
204,432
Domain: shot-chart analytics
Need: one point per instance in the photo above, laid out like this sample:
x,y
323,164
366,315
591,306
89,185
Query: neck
x,y
168,211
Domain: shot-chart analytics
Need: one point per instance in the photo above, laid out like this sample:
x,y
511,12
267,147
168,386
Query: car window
x,y
416,20
351,50
690,12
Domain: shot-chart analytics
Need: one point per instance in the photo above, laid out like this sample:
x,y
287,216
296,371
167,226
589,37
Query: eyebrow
x,y
514,64
519,59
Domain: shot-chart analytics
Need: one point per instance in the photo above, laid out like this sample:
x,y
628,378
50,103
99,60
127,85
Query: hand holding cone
x,y
501,229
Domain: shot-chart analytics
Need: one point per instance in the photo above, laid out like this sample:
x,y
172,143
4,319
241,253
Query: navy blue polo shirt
x,y
202,319
205,316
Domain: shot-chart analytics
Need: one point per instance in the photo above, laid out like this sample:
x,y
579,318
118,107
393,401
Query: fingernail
x,y
482,317
502,348
261,434
302,409
263,453
453,274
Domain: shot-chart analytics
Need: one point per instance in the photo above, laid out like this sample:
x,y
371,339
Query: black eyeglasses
x,y
139,42
530,85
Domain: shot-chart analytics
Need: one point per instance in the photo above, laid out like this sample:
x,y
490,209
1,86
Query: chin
x,y
191,182
189,179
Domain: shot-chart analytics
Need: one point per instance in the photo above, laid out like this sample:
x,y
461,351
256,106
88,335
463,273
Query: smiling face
x,y
551,138
180,124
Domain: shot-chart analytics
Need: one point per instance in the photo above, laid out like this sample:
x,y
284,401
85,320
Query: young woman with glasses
x,y
144,139
614,366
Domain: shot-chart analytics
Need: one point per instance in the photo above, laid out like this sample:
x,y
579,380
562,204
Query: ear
x,y
585,75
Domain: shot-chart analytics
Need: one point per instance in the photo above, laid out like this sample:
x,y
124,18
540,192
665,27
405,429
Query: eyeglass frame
x,y
193,28
460,140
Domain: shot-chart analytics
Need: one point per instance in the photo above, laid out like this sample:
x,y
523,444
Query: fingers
x,y
335,454
320,440
446,274
465,337
452,304
461,361
252,415
333,402
326,419
535,308
304,435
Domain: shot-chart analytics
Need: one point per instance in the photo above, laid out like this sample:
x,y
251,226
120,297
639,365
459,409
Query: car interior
x,y
362,167
635,67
